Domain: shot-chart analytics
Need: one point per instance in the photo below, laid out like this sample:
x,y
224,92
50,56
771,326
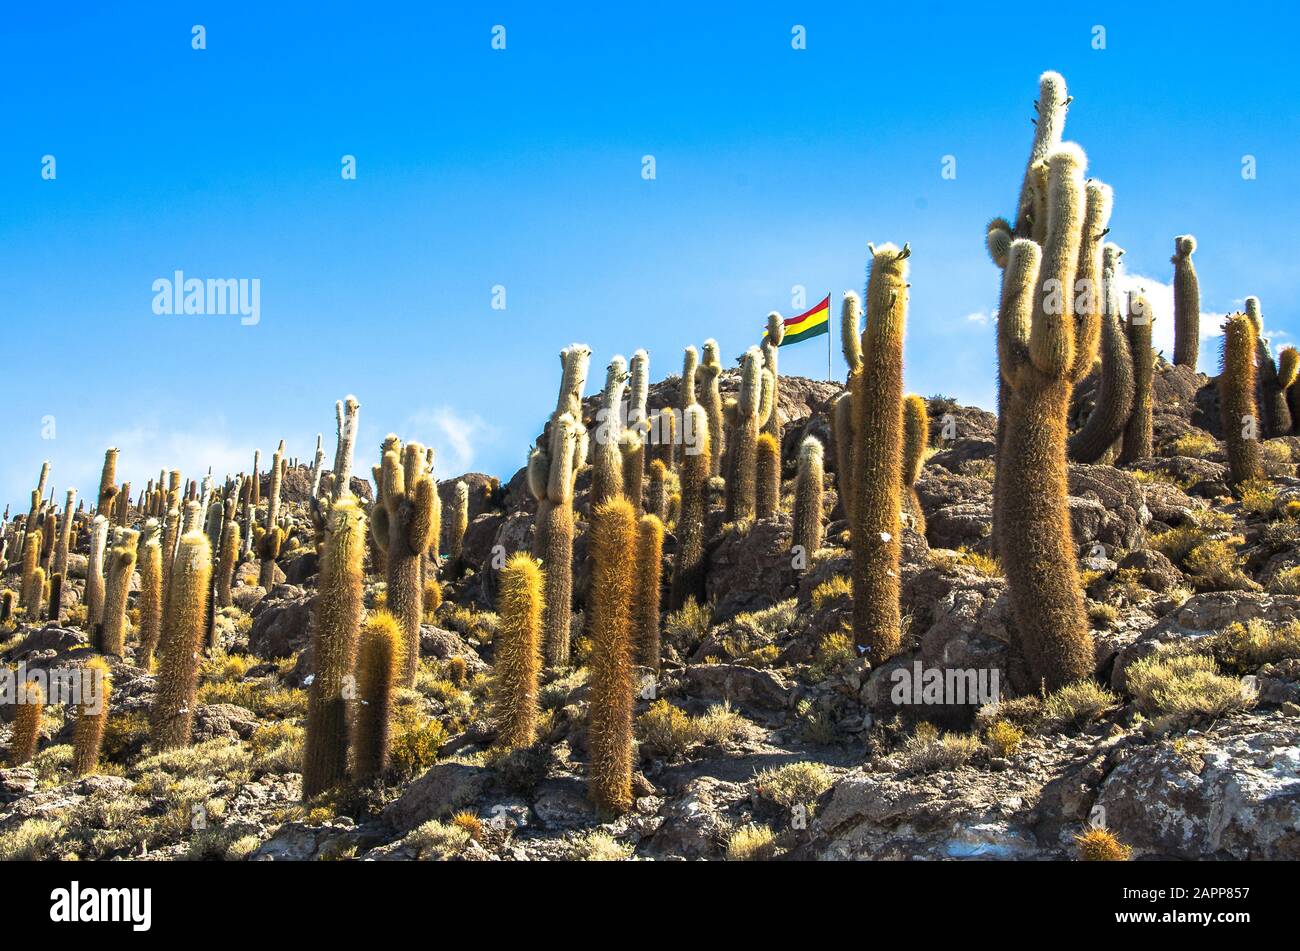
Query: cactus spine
x,y
609,733
1275,376
92,716
150,597
1113,402
518,651
121,566
767,476
402,523
182,635
808,497
916,439
1187,303
688,572
1040,362
646,597
877,388
1237,398
1138,430
710,370
379,653
337,619
27,723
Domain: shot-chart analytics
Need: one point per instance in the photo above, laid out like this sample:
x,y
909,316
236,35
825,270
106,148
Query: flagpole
x,y
830,350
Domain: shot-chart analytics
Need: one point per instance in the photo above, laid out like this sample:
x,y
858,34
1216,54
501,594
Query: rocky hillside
x,y
765,734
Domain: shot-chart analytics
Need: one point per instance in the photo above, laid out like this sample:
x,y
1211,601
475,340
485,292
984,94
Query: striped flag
x,y
811,323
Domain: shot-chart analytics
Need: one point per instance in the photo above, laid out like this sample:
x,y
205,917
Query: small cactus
x,y
92,717
518,652
916,439
457,525
808,489
1237,399
27,723
379,654
767,476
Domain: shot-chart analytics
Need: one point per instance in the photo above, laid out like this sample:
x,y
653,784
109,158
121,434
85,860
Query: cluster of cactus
x,y
1046,344
1276,376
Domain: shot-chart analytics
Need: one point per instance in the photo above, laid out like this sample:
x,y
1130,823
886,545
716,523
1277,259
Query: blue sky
x,y
522,168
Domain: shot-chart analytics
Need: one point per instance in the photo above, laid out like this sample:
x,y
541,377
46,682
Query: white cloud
x,y
981,317
454,436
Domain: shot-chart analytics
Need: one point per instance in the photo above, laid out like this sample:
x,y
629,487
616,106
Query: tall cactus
x,y
518,652
1275,376
638,426
1113,401
916,439
150,597
336,622
229,556
1237,399
31,599
552,470
808,488
877,388
711,399
107,485
65,533
95,575
767,476
609,732
1042,357
648,588
771,343
1187,303
402,524
457,525
272,537
172,716
842,408
1138,431
121,566
740,480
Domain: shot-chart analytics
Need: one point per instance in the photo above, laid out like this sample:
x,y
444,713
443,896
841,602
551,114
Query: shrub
x,y
1185,685
438,840
1249,646
1258,498
926,751
1216,566
688,624
1077,703
836,586
1197,445
835,651
668,731
1286,581
795,784
599,847
751,843
415,747
1003,738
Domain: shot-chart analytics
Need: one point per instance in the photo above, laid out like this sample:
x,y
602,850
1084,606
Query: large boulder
x,y
751,568
281,623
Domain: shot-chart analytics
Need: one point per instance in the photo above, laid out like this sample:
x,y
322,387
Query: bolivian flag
x,y
811,323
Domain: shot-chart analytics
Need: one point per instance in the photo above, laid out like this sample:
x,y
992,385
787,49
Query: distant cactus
x,y
1187,303
1237,399
916,440
317,466
607,460
1137,442
842,408
107,485
95,574
229,557
92,717
65,533
37,593
518,652
27,723
31,599
1041,360
767,476
457,524
609,731
150,596
656,497
711,400
1275,376
401,524
633,443
379,653
121,566
648,588
172,715
56,598
6,607
348,411
632,448
740,481
808,489
336,622
1113,400
688,578
877,388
